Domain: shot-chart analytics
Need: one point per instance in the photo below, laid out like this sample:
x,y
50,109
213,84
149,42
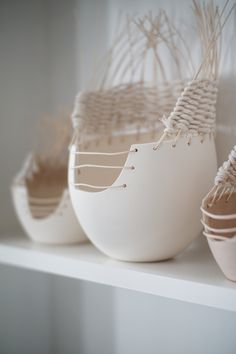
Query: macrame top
x,y
195,110
133,107
226,175
187,108
124,108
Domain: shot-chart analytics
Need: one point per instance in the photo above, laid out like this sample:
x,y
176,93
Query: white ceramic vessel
x,y
137,190
45,222
150,212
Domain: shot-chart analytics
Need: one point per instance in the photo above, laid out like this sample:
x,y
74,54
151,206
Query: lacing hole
x,y
189,143
132,167
173,145
135,150
124,185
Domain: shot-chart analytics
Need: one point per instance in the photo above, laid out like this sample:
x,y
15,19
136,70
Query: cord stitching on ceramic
x,y
78,167
166,134
225,181
104,153
98,187
43,207
216,237
229,230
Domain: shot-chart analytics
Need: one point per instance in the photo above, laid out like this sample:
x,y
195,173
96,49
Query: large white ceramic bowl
x,y
151,211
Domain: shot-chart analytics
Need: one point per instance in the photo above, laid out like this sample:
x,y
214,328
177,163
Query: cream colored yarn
x,y
127,107
135,104
225,181
226,175
183,106
195,110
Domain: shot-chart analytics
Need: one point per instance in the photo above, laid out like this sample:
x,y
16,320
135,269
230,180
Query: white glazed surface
x,y
224,253
158,214
60,227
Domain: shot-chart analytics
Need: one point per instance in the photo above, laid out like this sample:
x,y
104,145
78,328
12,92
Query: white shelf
x,y
192,277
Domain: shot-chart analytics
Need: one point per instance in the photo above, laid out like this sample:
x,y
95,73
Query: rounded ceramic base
x,y
157,214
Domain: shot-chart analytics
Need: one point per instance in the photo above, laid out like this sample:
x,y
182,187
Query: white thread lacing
x,y
226,175
229,230
102,166
43,201
41,209
104,153
223,238
98,187
219,216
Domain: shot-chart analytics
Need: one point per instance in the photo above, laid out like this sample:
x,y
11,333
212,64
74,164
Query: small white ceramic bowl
x,y
59,227
44,219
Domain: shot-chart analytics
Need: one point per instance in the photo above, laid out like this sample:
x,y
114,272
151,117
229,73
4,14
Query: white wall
x,y
37,60
24,89
47,50
24,96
